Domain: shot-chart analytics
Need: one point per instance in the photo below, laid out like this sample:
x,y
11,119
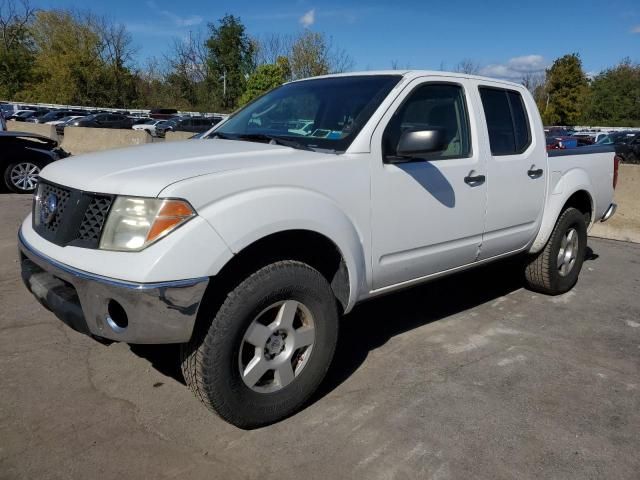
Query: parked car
x,y
618,138
51,116
149,126
102,120
187,124
593,136
245,248
24,115
24,155
557,132
65,119
64,122
629,151
163,113
140,120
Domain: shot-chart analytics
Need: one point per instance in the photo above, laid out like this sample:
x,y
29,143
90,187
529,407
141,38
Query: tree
x,y
189,73
265,78
467,66
230,60
117,54
567,89
16,46
309,53
615,96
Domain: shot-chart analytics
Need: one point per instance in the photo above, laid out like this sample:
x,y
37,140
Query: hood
x,y
147,169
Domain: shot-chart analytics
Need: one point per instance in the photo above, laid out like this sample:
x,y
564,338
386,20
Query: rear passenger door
x,y
516,171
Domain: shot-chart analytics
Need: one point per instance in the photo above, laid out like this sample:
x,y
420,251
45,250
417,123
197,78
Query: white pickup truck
x,y
246,246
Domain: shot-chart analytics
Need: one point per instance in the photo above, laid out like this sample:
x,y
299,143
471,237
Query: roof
x,y
411,74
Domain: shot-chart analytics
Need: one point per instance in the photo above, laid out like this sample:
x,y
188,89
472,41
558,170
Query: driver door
x,y
427,211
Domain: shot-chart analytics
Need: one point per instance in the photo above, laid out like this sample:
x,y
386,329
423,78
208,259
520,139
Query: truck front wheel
x,y
555,269
268,346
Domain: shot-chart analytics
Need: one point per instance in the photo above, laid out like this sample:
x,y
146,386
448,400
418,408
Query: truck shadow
x,y
373,323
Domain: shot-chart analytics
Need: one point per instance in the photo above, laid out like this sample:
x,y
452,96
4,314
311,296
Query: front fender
x,y
562,188
246,217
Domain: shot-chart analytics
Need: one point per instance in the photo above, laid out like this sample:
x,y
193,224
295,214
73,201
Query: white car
x,y
247,246
149,126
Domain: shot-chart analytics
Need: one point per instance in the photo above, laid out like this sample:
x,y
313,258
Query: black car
x,y
23,156
27,115
103,120
629,150
163,113
187,124
53,115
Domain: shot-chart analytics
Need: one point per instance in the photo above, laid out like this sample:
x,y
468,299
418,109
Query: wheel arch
x,y
580,198
284,221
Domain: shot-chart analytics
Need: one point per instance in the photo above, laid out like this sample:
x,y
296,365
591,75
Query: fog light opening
x,y
117,317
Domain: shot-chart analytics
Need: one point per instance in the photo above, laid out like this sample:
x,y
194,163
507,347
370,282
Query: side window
x,y
509,131
432,106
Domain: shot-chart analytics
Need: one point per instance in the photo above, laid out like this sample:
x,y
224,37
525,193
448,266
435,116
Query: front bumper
x,y
130,312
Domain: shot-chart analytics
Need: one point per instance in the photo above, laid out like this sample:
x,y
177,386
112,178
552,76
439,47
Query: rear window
x,y
507,122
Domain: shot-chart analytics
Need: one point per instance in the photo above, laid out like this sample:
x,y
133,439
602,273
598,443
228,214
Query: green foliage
x,y
309,55
16,50
567,89
66,57
265,78
615,96
230,60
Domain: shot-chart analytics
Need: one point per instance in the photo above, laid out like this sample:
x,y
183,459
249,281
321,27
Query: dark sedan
x,y
27,115
54,115
627,146
23,156
187,124
103,120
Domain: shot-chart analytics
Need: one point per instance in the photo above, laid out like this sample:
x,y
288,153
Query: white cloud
x,y
636,29
515,68
175,19
182,21
308,18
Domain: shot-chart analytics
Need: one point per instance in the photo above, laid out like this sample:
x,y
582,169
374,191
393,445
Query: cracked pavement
x,y
467,377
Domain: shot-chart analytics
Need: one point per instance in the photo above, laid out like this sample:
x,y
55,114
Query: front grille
x,y
67,216
62,195
94,218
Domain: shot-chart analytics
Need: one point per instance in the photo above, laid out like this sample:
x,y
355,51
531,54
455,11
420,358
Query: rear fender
x,y
563,188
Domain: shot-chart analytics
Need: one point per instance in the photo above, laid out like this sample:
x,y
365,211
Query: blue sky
x,y
504,37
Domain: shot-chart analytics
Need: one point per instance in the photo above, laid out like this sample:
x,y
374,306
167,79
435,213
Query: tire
x,y
22,177
220,362
550,272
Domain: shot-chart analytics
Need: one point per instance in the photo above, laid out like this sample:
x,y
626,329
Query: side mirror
x,y
416,142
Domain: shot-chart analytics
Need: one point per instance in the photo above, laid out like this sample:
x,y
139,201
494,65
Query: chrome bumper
x,y
609,213
163,312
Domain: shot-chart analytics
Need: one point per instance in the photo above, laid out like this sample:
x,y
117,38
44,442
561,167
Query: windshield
x,y
606,140
324,113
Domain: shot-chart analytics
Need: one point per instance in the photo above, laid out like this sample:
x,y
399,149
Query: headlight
x,y
134,223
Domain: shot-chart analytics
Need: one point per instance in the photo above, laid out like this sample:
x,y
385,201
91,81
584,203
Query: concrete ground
x,y
625,224
470,377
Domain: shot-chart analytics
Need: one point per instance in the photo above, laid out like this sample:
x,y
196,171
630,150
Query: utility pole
x,y
224,83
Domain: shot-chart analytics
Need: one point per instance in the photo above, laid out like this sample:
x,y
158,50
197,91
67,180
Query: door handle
x,y
535,173
474,180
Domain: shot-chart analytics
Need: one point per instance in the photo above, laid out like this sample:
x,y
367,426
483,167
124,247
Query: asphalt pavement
x,y
468,377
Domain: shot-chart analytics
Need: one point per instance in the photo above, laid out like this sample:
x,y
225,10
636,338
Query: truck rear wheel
x,y
268,346
555,269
